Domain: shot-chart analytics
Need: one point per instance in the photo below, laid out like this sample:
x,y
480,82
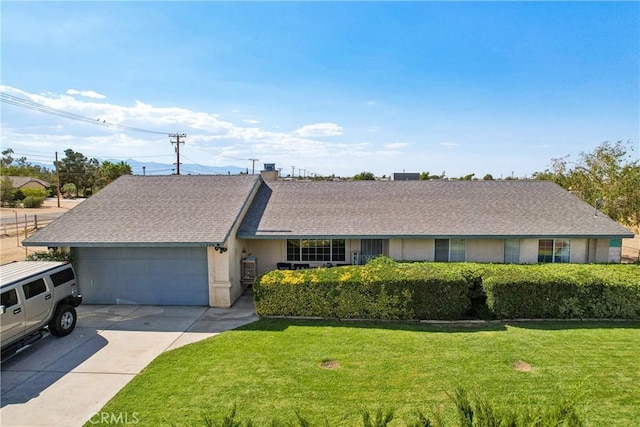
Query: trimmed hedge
x,y
385,289
567,291
382,289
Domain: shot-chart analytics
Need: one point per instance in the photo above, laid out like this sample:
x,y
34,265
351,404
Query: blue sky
x,y
328,87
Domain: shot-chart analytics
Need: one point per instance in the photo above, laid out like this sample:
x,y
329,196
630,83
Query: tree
x,y
109,171
607,178
6,159
7,192
10,166
468,177
76,169
424,176
488,177
69,190
364,176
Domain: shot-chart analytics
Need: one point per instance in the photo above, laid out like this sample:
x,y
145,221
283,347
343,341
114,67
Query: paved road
x,y
66,381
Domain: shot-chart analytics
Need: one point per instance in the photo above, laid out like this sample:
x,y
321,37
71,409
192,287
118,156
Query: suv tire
x,y
63,321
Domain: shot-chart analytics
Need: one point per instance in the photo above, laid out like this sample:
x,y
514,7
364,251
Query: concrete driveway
x,y
66,381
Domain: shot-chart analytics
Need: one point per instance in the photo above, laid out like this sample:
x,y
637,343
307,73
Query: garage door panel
x,y
150,276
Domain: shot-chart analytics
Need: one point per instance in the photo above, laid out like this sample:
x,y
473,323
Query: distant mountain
x,y
153,168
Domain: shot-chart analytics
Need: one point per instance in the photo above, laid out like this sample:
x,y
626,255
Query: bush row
x,y
384,289
563,291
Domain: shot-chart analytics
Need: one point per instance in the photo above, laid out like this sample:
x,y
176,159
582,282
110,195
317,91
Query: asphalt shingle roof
x,y
21,181
423,209
154,210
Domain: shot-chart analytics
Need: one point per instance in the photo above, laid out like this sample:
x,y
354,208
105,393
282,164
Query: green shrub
x,y
35,192
33,202
69,190
50,256
477,411
473,410
19,195
563,291
382,289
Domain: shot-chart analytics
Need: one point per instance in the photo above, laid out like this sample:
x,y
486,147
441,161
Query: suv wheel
x,y
63,321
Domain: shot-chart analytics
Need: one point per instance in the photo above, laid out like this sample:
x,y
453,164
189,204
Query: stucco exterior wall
x,y
270,252
33,184
602,250
579,251
224,266
528,251
411,249
484,250
267,252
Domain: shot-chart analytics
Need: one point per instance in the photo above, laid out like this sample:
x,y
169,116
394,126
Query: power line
x,y
44,155
206,168
31,105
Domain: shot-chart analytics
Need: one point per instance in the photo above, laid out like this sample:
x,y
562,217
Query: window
x,y
512,251
316,250
9,298
293,250
449,250
554,250
34,288
456,250
62,276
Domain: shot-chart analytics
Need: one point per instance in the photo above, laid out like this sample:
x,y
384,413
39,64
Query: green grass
x,y
271,370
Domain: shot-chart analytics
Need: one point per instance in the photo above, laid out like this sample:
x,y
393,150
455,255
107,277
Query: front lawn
x,y
330,371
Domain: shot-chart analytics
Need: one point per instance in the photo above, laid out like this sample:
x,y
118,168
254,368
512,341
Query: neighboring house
x,y
182,239
405,176
22,182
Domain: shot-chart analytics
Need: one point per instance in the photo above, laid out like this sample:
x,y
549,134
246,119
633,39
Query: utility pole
x,y
177,141
57,180
253,166
144,170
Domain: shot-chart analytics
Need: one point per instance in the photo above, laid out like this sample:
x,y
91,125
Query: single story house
x,y
22,182
199,240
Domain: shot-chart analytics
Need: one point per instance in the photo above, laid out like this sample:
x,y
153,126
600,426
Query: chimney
x,y
270,173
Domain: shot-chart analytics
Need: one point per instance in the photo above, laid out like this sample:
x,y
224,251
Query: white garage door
x,y
149,276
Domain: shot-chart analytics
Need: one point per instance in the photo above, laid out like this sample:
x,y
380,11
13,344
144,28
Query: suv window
x,y
63,276
9,298
34,288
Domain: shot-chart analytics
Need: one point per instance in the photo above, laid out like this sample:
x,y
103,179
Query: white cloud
x,y
319,130
449,144
211,140
86,93
396,145
251,122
